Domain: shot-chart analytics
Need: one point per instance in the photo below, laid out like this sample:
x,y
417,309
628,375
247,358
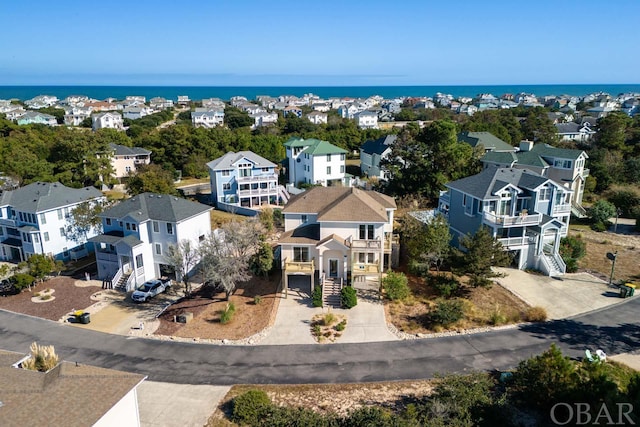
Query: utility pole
x,y
618,213
612,257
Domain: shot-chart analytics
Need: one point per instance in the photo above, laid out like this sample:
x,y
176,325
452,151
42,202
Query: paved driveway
x,y
562,297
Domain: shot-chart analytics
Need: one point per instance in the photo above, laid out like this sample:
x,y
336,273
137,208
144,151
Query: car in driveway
x,y
150,289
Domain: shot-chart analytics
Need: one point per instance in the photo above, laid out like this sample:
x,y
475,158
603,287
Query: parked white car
x,y
150,289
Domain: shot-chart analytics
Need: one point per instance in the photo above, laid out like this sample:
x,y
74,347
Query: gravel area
x,y
70,294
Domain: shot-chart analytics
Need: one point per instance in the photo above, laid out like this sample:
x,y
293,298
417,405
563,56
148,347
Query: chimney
x,y
526,145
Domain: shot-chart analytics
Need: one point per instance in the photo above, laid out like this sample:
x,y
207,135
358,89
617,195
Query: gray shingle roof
x,y
567,127
546,150
530,158
45,196
500,157
488,140
229,160
378,146
158,207
123,150
483,185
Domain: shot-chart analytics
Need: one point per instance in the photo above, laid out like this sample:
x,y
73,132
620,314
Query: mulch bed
x,y
67,298
249,318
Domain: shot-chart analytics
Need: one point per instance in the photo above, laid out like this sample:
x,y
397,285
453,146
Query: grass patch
x,y
221,217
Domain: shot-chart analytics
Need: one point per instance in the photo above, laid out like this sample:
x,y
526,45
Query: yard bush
x,y
348,297
572,248
396,286
536,314
227,314
21,281
445,286
446,312
316,296
251,407
340,326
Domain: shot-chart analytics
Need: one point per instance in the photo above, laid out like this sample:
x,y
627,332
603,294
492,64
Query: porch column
x,y
285,278
321,264
344,268
556,245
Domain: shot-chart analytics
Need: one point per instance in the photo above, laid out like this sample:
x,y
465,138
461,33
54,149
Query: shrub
x,y
348,297
572,248
445,286
396,286
45,297
601,211
316,296
42,358
535,314
340,326
227,314
257,299
447,312
251,407
329,319
22,280
497,317
599,227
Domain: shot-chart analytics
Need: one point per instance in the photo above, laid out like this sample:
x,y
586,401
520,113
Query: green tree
x,y
482,252
427,243
538,127
58,113
612,131
396,286
183,257
235,118
601,211
572,248
40,265
84,218
150,178
262,260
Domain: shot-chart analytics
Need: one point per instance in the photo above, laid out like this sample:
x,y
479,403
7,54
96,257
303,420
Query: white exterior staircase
x,y
331,296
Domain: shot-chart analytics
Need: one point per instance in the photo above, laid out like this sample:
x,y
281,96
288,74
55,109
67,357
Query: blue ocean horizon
x,y
251,92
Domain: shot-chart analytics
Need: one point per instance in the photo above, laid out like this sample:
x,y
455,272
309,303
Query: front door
x,y
333,268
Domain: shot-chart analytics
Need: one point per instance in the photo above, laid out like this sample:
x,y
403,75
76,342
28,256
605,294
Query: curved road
x,y
615,330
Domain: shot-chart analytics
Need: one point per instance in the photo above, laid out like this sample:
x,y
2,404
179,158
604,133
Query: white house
x,y
367,120
138,232
312,161
136,112
33,219
263,119
574,132
159,103
207,119
74,116
110,120
333,233
70,394
125,160
317,118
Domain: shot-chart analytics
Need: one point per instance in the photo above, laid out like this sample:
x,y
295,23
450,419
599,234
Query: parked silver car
x,y
150,289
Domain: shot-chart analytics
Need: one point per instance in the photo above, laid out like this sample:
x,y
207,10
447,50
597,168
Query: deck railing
x,y
299,266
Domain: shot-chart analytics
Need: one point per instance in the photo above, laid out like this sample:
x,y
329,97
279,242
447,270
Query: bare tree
x,y
226,253
183,257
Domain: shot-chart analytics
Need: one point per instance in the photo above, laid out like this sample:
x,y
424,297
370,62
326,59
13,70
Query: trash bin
x,y
624,291
632,290
84,318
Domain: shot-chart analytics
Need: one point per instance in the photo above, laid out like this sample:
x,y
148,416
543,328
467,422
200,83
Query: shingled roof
x,y
378,146
229,160
314,146
68,395
342,204
488,140
484,185
158,207
123,150
45,196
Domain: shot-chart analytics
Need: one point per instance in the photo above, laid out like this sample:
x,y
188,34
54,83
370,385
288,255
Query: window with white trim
x,y
301,254
158,249
169,228
156,227
226,186
366,232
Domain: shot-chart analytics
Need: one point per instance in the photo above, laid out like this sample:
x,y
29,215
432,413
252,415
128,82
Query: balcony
x,y
585,173
364,268
106,256
258,192
444,197
8,222
257,178
366,244
564,208
508,220
299,267
510,242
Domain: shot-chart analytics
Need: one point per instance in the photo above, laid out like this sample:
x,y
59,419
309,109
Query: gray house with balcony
x,y
244,180
527,212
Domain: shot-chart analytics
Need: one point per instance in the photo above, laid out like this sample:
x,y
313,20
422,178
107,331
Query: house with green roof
x,y
563,165
489,141
313,161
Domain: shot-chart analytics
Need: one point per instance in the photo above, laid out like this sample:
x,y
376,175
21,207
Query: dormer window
x,y
564,164
545,194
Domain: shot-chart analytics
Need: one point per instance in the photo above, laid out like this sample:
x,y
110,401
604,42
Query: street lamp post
x,y
612,256
618,213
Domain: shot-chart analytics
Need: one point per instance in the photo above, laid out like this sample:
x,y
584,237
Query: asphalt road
x,y
615,330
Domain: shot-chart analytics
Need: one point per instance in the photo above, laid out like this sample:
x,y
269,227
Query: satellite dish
x,y
611,256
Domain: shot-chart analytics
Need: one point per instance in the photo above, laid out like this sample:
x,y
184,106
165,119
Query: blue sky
x,y
328,42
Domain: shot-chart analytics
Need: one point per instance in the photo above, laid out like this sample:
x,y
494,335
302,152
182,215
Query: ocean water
x,y
226,92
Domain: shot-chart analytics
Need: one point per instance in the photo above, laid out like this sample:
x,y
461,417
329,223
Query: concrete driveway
x,y
562,297
365,322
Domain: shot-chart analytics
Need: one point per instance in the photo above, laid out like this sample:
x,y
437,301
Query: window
x,y
62,231
265,169
134,227
1,231
468,204
158,249
127,169
201,238
139,261
565,164
108,221
366,231
328,170
341,169
328,157
59,213
36,238
43,219
304,218
368,257
169,228
545,194
225,172
342,156
156,228
245,172
46,236
128,226
226,186
300,254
